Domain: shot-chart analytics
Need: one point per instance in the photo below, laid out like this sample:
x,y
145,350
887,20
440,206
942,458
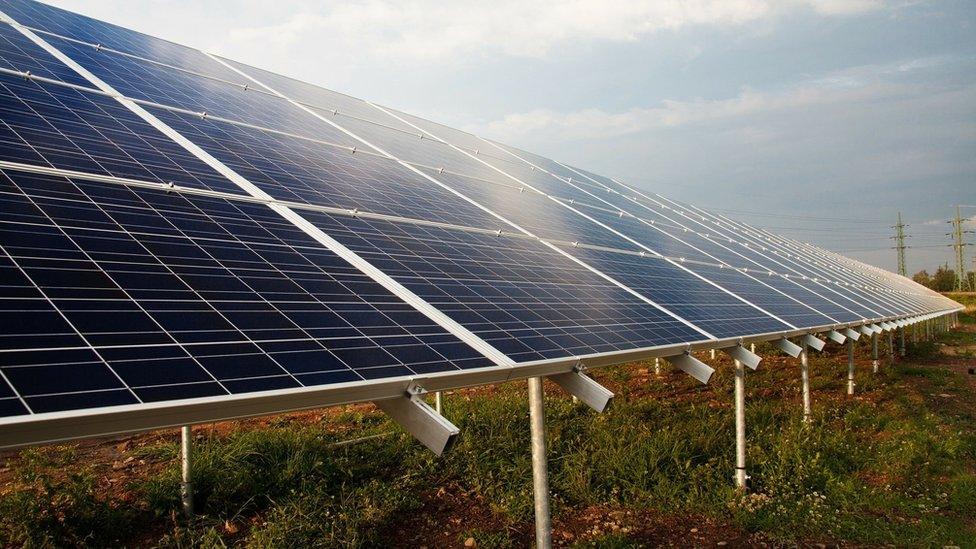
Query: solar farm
x,y
187,239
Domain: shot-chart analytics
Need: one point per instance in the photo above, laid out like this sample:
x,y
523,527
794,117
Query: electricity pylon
x,y
900,245
962,280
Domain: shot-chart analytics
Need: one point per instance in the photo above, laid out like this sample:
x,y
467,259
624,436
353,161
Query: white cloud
x,y
432,30
847,86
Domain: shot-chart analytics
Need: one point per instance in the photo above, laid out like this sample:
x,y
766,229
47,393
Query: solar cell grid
x,y
508,291
692,298
655,213
299,170
19,54
76,130
322,99
92,31
536,213
164,287
880,303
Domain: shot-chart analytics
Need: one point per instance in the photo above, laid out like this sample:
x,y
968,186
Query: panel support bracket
x,y
787,346
420,420
585,388
852,334
692,366
836,337
744,356
815,342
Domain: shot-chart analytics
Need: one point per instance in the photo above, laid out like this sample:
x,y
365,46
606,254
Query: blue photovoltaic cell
x,y
60,127
525,299
859,297
325,101
547,219
535,213
507,202
55,20
706,306
143,80
113,296
740,234
666,219
20,54
299,170
818,260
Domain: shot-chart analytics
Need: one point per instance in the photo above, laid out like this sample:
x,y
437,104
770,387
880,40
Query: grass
x,y
896,465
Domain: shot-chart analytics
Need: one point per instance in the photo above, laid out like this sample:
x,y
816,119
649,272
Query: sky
x,y
817,119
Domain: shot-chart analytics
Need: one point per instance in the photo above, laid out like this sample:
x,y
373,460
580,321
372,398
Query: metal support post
x,y
657,366
850,367
874,353
740,426
540,473
712,351
901,342
805,373
438,404
891,347
186,484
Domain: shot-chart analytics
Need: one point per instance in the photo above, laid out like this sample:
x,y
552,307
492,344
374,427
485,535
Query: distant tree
x,y
924,278
944,279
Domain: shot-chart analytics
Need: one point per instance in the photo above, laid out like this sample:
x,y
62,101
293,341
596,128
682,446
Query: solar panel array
x,y
174,225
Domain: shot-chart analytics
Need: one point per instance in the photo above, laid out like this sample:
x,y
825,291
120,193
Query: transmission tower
x,y
962,281
900,245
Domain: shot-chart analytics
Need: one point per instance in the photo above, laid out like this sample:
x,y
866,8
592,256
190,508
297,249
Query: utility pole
x,y
900,245
962,280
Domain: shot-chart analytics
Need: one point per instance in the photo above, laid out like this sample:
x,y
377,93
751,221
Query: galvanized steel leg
x,y
850,366
657,366
186,484
540,472
805,373
891,347
874,353
437,403
901,342
740,426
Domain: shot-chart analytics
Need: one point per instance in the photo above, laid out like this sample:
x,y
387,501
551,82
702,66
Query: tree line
x,y
944,279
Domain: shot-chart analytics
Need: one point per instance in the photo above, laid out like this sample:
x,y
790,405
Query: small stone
x,y
470,542
231,528
722,543
694,530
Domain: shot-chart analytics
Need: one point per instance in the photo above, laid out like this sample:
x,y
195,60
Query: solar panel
x,y
162,296
185,237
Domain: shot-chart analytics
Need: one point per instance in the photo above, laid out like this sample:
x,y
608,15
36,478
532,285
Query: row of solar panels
x,y
181,226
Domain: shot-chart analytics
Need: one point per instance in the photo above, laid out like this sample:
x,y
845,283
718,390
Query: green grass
x,y
896,467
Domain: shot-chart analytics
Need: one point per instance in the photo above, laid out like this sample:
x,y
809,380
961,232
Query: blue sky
x,y
819,119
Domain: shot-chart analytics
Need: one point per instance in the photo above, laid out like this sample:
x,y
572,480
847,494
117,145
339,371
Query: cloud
x,y
872,82
435,31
